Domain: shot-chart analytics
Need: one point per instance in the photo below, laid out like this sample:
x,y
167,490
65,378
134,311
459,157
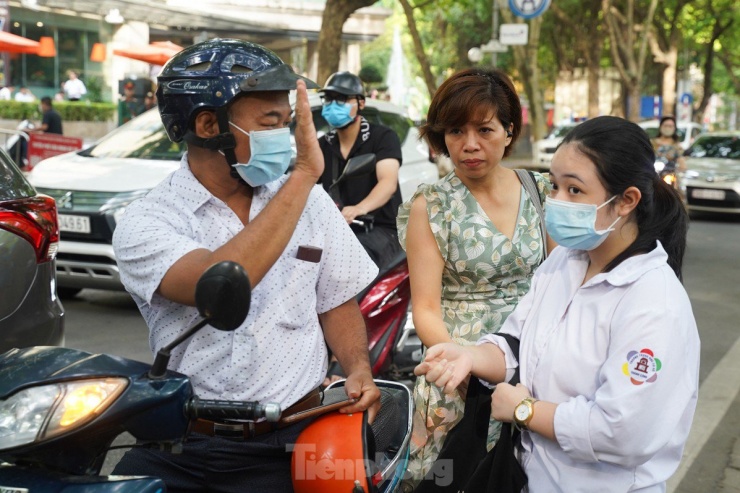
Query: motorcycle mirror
x,y
223,294
222,297
364,164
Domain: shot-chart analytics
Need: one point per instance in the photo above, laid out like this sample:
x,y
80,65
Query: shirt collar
x,y
629,270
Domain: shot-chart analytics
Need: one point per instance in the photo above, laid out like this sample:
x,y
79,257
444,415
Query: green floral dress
x,y
485,274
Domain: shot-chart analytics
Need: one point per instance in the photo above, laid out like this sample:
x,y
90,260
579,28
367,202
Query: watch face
x,y
521,412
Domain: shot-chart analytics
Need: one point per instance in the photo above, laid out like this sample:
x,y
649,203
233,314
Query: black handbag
x,y
463,465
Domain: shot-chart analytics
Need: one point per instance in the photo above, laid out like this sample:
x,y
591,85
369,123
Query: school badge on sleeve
x,y
642,366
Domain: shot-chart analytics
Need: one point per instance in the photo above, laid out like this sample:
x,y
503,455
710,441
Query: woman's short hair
x,y
471,95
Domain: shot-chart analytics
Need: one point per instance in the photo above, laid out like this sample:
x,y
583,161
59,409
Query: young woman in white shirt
x,y
609,354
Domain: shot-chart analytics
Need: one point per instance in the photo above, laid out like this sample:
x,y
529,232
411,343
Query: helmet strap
x,y
224,141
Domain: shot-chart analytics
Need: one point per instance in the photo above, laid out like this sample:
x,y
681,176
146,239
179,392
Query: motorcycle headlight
x,y
40,413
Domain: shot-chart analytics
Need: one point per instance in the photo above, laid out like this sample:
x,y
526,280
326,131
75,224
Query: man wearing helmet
x,y
230,200
377,194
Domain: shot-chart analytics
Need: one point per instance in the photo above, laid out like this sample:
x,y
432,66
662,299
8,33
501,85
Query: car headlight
x,y
40,413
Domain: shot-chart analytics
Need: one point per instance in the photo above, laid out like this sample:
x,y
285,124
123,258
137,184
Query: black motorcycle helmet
x,y
208,76
344,83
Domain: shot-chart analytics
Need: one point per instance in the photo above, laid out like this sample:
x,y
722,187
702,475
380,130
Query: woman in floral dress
x,y
472,239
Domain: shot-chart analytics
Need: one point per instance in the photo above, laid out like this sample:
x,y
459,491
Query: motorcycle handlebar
x,y
232,410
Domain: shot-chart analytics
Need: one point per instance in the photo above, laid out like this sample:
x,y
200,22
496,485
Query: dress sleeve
x,y
437,212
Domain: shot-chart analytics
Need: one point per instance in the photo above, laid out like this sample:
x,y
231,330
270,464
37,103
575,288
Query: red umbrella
x,y
156,53
11,43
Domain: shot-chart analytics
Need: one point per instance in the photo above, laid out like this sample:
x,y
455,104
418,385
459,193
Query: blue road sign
x,y
528,9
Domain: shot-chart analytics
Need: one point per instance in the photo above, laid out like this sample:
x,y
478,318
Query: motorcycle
x,y
61,409
667,171
394,347
16,143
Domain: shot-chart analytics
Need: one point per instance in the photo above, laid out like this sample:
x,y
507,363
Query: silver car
x,y
711,182
30,312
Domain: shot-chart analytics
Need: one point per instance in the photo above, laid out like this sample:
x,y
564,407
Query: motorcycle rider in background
x,y
667,145
376,194
230,200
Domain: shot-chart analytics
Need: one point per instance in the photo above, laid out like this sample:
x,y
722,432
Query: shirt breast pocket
x,y
299,295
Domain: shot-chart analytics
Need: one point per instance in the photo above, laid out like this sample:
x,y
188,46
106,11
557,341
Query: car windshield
x,y
143,138
717,146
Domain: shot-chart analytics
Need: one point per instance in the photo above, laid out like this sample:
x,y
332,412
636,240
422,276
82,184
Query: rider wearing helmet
x,y
376,194
230,200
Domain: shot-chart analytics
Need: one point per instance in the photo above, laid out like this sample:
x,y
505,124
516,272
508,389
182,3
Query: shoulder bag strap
x,y
530,185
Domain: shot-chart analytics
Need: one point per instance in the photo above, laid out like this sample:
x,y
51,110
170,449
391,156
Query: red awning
x,y
156,53
11,43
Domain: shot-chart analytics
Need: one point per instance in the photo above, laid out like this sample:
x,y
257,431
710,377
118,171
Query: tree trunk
x,y
628,54
525,58
421,56
336,13
589,39
669,81
594,75
717,31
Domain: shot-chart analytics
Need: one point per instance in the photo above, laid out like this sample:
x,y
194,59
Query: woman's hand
x,y
505,398
446,366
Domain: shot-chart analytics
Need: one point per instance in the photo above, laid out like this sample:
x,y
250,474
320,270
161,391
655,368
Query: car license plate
x,y
703,193
74,224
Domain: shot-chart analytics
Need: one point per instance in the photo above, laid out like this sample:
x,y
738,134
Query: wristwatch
x,y
523,412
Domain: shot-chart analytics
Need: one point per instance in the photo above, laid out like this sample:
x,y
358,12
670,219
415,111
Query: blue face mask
x,y
336,114
573,225
270,156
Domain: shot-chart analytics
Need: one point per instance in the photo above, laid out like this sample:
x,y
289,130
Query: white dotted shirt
x,y
279,353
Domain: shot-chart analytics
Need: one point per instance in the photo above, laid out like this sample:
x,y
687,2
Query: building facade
x,y
288,27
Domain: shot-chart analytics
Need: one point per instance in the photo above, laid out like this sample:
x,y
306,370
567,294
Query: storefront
x,y
74,37
291,30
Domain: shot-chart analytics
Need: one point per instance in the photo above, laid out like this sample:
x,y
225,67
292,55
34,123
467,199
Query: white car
x,y
544,149
687,131
92,187
711,181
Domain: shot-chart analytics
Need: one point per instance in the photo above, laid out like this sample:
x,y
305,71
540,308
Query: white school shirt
x,y
620,357
279,353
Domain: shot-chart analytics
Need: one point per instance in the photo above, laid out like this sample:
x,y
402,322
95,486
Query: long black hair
x,y
624,158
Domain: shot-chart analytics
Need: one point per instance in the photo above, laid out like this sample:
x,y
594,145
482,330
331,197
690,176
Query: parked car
x,y
711,181
30,311
686,131
93,186
544,149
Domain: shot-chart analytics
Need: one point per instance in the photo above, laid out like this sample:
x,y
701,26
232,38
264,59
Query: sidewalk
x,y
731,481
